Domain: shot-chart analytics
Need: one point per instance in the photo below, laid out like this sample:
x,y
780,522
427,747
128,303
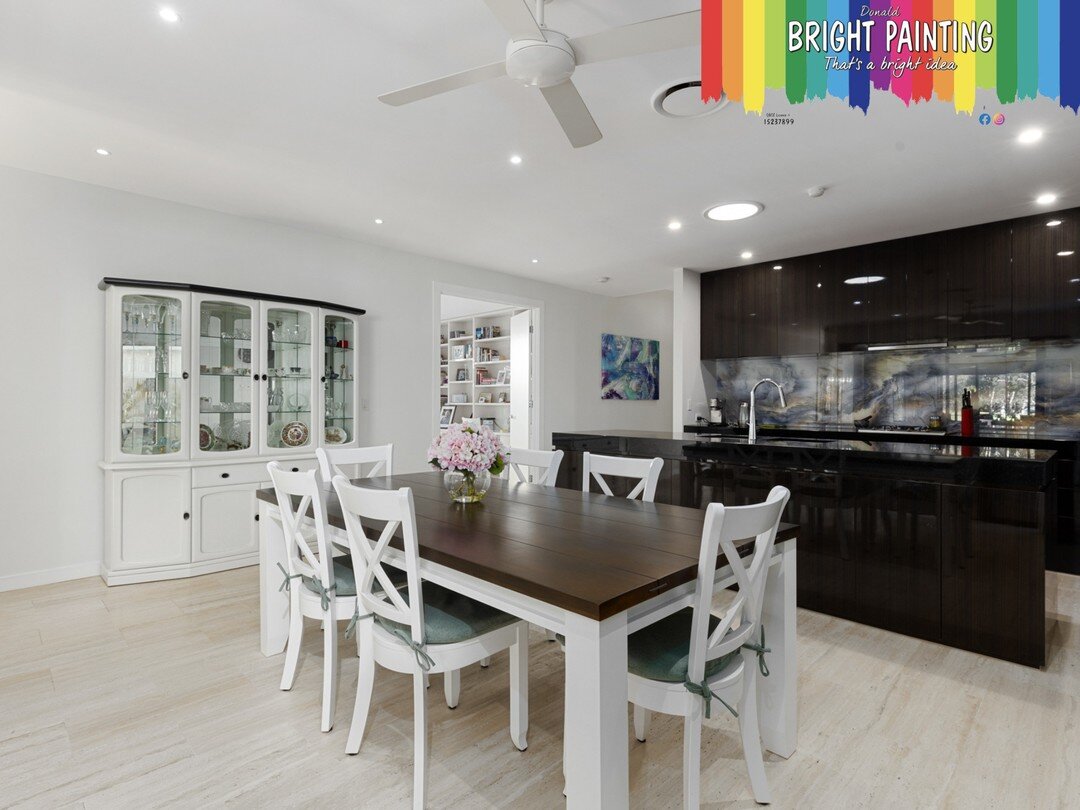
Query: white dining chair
x,y
645,470
682,663
424,628
335,461
545,462
320,586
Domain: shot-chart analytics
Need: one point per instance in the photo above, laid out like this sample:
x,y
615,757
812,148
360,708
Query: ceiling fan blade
x,y
417,92
650,36
515,17
574,117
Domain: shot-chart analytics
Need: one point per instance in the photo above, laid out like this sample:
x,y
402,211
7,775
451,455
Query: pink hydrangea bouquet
x,y
469,457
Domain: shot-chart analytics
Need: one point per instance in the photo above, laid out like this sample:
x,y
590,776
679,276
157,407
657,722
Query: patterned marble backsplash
x,y
1016,385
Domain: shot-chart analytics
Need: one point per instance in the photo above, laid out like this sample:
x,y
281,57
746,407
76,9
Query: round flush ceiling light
x,y
864,280
1046,199
674,225
103,152
746,254
682,99
731,212
515,160
1030,136
169,15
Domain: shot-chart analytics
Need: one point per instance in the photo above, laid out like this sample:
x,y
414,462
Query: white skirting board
x,y
48,576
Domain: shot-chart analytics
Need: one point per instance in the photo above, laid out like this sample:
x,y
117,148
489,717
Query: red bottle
x,y
967,416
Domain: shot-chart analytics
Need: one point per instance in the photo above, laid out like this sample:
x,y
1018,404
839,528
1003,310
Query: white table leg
x,y
273,605
597,761
777,694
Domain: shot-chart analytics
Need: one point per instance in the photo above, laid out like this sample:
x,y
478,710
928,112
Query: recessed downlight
x,y
1066,252
1053,223
103,152
732,212
536,261
515,160
378,221
674,225
1030,136
169,15
746,254
1046,198
864,280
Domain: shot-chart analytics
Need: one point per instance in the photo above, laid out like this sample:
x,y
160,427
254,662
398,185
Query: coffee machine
x,y
716,411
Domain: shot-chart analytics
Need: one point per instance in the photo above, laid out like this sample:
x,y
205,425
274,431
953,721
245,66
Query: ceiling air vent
x,y
683,100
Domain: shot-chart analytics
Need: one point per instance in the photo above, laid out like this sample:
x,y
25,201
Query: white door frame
x,y
440,289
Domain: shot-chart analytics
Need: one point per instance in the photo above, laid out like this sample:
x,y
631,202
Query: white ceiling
x,y
268,110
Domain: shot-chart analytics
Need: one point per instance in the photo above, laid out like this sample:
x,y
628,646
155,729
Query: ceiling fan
x,y
539,57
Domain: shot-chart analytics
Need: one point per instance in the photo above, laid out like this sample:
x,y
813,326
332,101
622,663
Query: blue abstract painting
x,y
629,367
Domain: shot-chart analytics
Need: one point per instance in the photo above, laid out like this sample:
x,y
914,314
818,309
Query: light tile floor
x,y
152,695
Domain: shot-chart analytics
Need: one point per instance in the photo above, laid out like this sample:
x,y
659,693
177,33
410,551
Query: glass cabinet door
x,y
226,357
289,393
152,378
339,379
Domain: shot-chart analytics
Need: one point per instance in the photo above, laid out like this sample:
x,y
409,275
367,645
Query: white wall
x,y
60,238
689,394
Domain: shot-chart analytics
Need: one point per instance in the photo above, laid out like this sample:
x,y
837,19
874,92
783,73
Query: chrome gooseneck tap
x,y
753,416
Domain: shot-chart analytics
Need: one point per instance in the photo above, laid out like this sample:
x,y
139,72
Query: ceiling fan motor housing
x,y
540,63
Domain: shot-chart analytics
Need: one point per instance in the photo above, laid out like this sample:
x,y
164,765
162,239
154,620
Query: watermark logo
x,y
999,119
984,119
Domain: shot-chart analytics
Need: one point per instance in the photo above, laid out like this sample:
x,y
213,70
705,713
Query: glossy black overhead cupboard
x,y
996,281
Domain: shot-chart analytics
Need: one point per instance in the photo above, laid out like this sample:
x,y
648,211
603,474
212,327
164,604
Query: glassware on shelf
x,y
225,376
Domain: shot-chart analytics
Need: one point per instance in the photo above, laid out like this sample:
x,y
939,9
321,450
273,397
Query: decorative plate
x,y
336,435
294,434
206,437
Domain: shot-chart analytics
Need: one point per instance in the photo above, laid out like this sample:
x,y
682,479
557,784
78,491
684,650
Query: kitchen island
x,y
942,542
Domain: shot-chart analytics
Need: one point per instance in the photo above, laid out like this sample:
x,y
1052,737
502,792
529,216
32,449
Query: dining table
x,y
590,567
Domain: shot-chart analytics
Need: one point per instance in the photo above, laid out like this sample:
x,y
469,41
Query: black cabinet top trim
x,y
108,281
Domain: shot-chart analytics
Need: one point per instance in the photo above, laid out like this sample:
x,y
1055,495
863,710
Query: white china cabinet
x,y
204,387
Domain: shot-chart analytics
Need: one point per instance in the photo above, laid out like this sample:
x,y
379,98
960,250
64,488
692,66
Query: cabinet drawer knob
x,y
224,475
256,518
296,469
185,375
187,515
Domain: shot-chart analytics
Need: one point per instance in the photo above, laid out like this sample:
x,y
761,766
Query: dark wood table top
x,y
587,553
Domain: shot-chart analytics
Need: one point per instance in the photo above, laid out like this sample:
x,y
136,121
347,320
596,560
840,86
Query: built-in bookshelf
x,y
475,368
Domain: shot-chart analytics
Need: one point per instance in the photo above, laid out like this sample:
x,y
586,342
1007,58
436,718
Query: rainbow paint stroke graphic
x,y
1035,52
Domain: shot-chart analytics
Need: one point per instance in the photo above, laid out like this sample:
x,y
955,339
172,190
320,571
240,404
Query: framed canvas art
x,y
629,367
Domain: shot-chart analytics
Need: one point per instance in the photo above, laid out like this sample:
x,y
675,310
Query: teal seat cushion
x,y
450,617
345,577
661,651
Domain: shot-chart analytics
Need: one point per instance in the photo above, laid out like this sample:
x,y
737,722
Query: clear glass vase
x,y
466,487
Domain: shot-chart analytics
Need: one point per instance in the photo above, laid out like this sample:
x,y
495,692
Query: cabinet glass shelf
x,y
293,343
226,337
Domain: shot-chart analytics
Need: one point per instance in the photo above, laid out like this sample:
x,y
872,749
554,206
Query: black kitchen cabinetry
x,y
758,302
993,582
719,314
802,303
1000,280
1046,292
980,281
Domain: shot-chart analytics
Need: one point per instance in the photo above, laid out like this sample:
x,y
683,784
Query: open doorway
x,y
487,364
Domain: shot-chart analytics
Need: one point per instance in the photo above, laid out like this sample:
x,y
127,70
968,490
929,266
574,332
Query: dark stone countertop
x,y
1007,467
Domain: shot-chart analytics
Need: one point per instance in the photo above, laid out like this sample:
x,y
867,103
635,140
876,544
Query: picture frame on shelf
x,y
446,415
462,375
457,352
489,422
503,398
483,399
503,377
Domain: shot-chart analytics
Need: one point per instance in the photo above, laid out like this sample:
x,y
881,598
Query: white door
x,y
521,379
224,520
289,398
154,511
227,339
